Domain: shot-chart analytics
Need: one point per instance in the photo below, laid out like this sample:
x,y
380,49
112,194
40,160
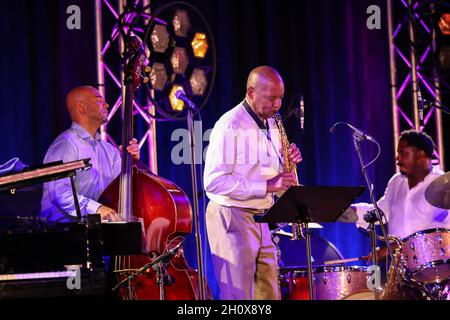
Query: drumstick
x,y
345,260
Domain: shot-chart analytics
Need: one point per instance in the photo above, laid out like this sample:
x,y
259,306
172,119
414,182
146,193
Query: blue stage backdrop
x,y
322,48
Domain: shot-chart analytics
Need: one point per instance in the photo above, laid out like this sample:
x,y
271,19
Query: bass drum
x,y
292,262
292,253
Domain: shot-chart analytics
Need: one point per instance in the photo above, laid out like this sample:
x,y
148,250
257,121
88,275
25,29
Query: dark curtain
x,y
322,48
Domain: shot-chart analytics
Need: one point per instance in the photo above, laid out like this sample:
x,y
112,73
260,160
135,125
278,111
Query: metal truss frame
x,y
411,65
112,49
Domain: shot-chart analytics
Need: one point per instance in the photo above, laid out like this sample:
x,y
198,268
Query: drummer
x,y
404,203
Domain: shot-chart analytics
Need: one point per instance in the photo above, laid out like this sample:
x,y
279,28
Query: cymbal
x,y
438,192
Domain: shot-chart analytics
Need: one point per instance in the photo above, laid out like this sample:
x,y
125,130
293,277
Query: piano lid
x,y
44,173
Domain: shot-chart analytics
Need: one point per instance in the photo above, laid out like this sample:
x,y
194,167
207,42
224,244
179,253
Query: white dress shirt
x,y
407,210
240,159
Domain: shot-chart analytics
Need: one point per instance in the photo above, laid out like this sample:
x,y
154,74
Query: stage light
x,y
443,41
176,104
186,58
199,45
444,24
179,60
160,38
198,82
158,76
181,23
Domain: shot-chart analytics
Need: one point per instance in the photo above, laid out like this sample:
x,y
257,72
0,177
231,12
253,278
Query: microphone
x,y
166,257
359,133
158,264
188,102
301,113
420,102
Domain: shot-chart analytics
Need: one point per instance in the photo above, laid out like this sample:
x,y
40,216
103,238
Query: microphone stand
x,y
190,123
438,106
357,138
158,265
160,269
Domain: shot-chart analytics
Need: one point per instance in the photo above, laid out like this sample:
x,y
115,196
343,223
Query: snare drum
x,y
338,282
426,255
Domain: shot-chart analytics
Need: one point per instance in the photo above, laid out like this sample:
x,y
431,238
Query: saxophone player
x,y
243,170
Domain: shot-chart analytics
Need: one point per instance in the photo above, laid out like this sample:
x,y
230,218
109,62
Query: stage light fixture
x,y
158,76
181,23
199,45
198,82
186,58
444,24
179,60
160,38
176,104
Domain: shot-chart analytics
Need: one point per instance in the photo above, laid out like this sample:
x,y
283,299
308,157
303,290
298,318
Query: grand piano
x,y
58,260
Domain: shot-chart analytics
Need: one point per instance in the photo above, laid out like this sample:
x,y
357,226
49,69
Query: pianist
x,y
88,111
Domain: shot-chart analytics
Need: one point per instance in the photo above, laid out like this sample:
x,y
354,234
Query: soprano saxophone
x,y
288,166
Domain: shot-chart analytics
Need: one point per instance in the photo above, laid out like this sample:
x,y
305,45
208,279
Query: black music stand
x,y
304,204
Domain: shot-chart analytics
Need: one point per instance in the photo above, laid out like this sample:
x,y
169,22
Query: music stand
x,y
304,204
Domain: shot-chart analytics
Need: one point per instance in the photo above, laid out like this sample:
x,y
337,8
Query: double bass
x,y
163,207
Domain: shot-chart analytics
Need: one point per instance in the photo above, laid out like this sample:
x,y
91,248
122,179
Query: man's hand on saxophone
x,y
294,154
281,182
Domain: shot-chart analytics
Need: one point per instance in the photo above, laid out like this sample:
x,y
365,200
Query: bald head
x,y
87,107
265,91
76,96
263,75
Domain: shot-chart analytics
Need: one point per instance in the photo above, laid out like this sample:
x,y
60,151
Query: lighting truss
x,y
110,47
412,47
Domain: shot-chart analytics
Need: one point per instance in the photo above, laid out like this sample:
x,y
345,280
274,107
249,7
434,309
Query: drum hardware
x,y
427,292
372,217
438,290
376,214
298,231
424,264
279,228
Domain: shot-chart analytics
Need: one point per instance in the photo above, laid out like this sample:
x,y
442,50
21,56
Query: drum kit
x,y
423,259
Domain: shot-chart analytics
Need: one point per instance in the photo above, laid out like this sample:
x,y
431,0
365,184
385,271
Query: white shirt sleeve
x,y
362,208
219,176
